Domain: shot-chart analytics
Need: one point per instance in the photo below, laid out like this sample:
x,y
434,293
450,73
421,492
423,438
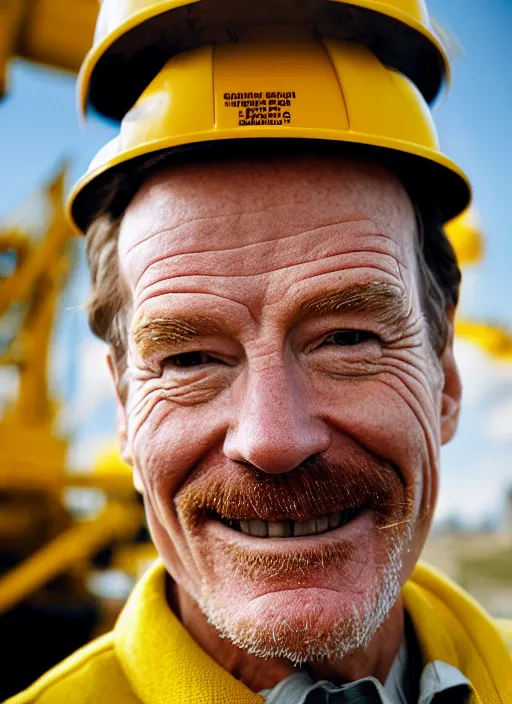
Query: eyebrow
x,y
159,333
387,302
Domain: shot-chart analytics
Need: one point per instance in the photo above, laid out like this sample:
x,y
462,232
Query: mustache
x,y
315,488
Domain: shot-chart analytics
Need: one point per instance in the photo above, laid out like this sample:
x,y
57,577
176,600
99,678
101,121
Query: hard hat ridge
x,y
276,87
134,39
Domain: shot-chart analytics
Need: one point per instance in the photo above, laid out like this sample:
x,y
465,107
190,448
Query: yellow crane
x,y
31,451
35,526
56,33
494,340
46,550
466,235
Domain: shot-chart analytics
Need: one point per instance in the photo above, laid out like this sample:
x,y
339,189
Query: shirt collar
x,y
437,677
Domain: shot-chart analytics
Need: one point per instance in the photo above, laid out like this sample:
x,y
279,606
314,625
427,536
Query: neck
x,y
259,674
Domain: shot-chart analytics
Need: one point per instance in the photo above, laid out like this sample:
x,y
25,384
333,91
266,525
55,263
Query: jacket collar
x,y
164,664
452,627
161,660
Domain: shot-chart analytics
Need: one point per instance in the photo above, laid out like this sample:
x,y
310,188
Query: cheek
x,y
394,413
149,392
167,442
168,437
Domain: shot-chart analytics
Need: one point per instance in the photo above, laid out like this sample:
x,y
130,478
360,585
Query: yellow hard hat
x,y
466,235
276,93
135,38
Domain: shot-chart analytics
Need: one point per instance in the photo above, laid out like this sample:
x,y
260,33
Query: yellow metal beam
x,y
495,341
79,543
56,33
30,446
38,261
467,237
12,13
22,474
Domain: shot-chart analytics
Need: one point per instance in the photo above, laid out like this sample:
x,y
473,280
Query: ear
x,y
122,422
452,389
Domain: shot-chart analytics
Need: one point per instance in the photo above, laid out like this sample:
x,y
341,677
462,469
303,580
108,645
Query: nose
x,y
276,428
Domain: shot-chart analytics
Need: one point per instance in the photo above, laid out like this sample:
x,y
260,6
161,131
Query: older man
x,y
280,323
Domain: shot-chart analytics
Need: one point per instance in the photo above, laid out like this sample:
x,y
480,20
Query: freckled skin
x,y
243,244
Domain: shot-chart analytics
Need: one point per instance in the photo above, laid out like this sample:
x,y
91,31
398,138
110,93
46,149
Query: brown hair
x,y
108,302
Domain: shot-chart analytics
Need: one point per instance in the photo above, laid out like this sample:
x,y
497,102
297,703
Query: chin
x,y
309,617
307,568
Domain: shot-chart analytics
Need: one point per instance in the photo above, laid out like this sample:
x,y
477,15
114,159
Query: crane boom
x,y
56,33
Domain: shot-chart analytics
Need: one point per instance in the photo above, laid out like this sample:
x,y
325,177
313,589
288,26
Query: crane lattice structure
x,y
32,451
37,532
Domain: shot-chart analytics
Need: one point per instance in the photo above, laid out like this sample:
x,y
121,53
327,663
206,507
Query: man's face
x,y
284,407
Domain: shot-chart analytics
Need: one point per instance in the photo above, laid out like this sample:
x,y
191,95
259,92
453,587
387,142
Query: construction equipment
x,y
47,552
494,340
74,546
31,451
33,457
270,89
466,235
135,38
57,33
10,21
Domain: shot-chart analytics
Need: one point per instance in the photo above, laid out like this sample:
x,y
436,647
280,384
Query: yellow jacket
x,y
149,658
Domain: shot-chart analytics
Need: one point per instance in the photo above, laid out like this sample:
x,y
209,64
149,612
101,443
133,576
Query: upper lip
x,y
310,492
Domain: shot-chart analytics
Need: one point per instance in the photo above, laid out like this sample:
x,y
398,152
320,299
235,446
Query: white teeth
x,y
280,529
258,528
322,524
304,527
334,519
244,527
288,529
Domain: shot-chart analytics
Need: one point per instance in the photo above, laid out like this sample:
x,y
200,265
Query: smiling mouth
x,y
258,528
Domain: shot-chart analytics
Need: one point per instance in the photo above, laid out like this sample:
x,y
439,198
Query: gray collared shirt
x,y
436,681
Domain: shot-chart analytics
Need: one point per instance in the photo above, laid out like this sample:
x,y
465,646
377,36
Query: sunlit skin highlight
x,y
276,332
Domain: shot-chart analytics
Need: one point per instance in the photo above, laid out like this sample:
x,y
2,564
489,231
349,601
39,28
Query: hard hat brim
x,y
117,70
430,177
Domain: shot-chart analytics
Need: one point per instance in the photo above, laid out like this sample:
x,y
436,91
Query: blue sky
x,y
39,128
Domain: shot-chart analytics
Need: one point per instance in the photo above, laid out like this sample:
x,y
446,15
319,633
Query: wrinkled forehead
x,y
197,206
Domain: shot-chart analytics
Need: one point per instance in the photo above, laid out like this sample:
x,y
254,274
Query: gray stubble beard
x,y
308,643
